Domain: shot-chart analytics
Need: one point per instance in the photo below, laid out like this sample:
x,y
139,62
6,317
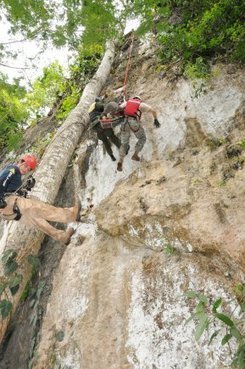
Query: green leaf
x,y
215,334
239,359
14,290
3,285
34,261
242,308
200,308
8,255
226,339
216,305
224,318
191,294
203,298
14,283
10,267
235,333
202,325
5,308
15,280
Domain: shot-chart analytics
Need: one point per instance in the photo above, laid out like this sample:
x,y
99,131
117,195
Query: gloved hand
x,y
156,123
30,183
3,203
23,192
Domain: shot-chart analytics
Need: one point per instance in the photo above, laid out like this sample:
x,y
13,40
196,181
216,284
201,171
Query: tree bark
x,y
49,175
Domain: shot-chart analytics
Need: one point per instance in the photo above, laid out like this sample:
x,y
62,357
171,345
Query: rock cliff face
x,y
171,223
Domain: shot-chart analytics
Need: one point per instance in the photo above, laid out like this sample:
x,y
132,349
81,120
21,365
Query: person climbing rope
x,y
133,109
105,134
34,213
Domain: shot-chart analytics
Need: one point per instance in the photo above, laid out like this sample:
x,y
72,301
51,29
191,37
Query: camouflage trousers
x,y
35,213
131,125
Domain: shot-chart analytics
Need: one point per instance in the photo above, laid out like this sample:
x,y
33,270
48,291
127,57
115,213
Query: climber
x,y
15,206
104,134
132,109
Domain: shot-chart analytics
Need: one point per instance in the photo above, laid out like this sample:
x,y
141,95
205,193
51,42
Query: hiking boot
x,y
135,157
77,209
69,233
113,157
119,166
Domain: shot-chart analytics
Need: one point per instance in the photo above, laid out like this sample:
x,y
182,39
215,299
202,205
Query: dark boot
x,y
128,148
135,157
119,166
113,157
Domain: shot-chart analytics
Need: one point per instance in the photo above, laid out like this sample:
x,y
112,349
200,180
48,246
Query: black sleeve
x,y
5,179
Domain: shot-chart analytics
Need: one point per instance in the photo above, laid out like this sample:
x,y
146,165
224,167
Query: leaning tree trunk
x,y
49,175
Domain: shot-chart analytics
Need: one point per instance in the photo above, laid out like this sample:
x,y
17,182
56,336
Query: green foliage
x,y
5,308
207,314
12,113
35,263
82,70
45,91
169,249
198,69
14,283
99,21
9,262
242,144
205,29
69,102
10,281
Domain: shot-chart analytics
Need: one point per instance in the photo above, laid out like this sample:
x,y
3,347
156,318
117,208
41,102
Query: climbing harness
x,y
111,122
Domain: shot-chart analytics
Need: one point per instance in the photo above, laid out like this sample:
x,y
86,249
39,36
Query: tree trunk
x,y
49,175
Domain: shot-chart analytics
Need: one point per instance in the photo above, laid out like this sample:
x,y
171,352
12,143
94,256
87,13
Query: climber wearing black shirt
x,y
104,134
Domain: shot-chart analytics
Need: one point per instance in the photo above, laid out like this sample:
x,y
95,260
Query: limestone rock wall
x,y
173,222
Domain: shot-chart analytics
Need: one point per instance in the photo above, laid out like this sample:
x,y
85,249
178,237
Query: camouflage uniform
x,y
134,125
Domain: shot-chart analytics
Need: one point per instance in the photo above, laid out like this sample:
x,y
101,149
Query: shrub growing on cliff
x,y
207,314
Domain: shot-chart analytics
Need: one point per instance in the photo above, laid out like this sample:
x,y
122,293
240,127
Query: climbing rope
x,y
127,67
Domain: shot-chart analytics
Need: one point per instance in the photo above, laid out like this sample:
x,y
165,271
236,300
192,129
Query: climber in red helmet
x,y
15,206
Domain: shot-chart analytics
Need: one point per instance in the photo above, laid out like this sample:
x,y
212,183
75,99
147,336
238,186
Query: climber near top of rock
x,y
133,109
104,133
34,213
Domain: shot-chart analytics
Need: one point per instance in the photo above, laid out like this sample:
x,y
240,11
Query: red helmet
x,y
30,160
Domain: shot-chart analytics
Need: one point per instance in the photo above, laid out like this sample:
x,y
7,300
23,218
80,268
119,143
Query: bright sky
x,y
31,49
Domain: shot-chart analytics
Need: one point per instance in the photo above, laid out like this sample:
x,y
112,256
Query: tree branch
x,y
12,42
9,66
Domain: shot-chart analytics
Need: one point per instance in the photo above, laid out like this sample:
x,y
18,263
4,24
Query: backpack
x,y
95,111
132,108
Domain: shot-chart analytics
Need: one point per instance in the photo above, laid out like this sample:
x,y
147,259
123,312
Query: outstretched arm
x,y
147,108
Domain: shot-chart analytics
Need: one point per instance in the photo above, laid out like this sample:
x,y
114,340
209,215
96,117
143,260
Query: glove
x,y
30,183
3,203
23,192
156,123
